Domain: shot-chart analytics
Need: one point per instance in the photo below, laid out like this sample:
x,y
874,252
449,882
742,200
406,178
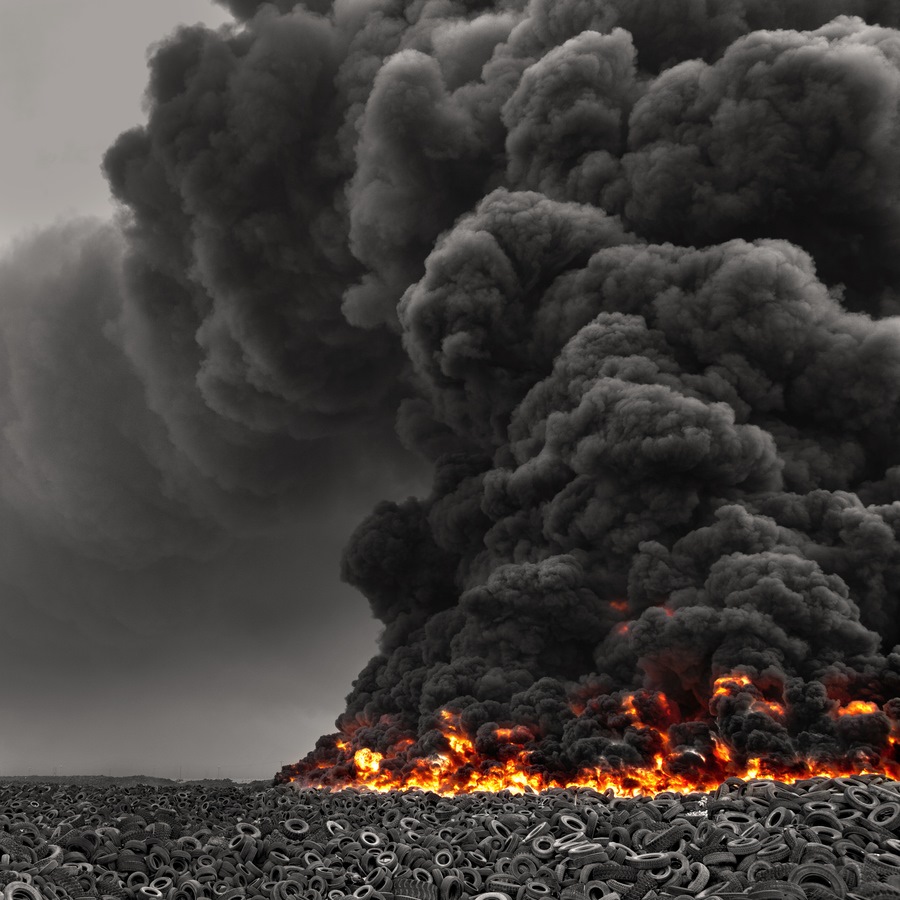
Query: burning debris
x,y
685,754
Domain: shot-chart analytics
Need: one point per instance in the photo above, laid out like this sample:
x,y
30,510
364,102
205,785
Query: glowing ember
x,y
510,756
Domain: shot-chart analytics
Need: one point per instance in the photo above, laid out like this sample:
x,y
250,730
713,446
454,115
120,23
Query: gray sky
x,y
185,666
189,668
72,75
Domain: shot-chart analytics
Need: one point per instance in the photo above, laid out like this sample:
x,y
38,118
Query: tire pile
x,y
817,840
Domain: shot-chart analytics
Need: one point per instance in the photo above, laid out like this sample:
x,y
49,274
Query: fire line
x,y
512,763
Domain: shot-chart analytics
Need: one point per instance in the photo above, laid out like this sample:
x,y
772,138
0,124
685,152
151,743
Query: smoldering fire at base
x,y
642,264
639,726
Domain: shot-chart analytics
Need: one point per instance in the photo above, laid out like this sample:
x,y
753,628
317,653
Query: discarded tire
x,y
822,839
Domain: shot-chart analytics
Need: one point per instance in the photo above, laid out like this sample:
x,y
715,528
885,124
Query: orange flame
x,y
506,758
722,687
367,760
858,708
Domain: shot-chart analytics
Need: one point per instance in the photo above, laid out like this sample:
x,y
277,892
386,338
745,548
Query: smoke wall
x,y
622,275
625,275
642,266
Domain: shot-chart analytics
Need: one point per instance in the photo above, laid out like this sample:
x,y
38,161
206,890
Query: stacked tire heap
x,y
817,840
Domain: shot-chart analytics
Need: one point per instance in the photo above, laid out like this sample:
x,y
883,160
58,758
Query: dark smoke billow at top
x,y
625,273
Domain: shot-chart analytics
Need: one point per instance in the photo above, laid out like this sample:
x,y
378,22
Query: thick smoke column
x,y
623,272
655,371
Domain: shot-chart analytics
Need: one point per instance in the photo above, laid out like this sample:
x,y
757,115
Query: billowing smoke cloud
x,y
710,443
621,271
656,376
188,375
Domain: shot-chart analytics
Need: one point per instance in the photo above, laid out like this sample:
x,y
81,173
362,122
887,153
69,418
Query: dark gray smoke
x,y
652,363
622,272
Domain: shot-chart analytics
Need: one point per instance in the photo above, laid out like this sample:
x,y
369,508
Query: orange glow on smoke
x,y
858,708
460,768
724,686
769,707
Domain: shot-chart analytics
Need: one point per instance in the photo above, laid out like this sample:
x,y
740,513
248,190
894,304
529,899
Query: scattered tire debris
x,y
821,839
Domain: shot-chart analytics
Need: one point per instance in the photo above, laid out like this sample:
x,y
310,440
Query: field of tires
x,y
820,839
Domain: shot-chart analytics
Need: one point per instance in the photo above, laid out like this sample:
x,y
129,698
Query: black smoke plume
x,y
622,272
642,262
